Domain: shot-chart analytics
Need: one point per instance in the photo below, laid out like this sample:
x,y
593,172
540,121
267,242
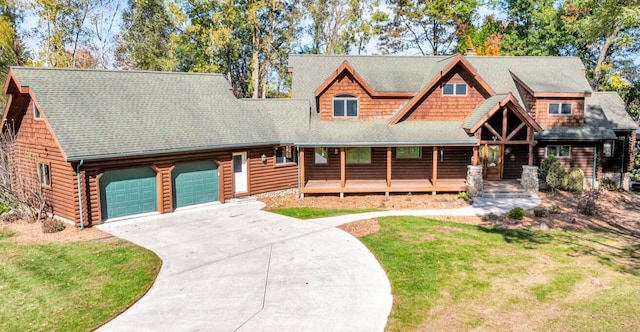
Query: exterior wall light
x,y
263,158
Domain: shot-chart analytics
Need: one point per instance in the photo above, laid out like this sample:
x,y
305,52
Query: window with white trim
x,y
321,156
44,176
607,148
560,109
358,156
285,154
454,89
559,151
345,106
408,152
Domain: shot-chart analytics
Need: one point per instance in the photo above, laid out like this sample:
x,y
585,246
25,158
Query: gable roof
x,y
492,105
439,70
100,114
613,107
346,67
413,73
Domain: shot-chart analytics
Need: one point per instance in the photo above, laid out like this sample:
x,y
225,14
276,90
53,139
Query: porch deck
x,y
380,186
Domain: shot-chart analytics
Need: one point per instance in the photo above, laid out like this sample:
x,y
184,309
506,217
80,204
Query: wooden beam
x,y
388,166
504,121
531,144
530,155
515,131
343,164
493,131
434,173
476,156
301,165
505,142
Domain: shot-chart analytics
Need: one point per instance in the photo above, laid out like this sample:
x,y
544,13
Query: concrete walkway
x,y
233,267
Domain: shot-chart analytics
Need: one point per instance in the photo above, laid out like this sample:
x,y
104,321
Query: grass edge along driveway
x,y
74,286
449,276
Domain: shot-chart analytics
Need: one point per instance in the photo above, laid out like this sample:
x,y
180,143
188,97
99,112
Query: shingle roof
x,y
99,113
482,110
290,116
614,110
412,73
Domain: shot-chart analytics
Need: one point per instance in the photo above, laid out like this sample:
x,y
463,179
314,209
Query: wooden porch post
x,y
530,139
302,177
435,168
388,166
343,163
476,159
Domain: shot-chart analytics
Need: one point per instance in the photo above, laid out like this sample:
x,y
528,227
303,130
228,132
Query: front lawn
x,y
74,286
453,277
311,212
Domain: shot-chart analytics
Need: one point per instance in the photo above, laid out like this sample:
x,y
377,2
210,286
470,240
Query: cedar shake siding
x,y
369,108
437,107
36,144
546,120
262,177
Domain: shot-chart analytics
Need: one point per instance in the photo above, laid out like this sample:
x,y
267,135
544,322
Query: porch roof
x,y
380,133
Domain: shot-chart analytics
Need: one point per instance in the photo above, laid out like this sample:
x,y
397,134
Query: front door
x,y
240,172
492,162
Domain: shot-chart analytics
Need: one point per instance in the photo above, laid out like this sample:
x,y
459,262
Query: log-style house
x,y
105,145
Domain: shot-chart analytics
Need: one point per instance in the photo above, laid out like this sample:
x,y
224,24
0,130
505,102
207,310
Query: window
x,y
36,112
607,148
43,174
409,152
321,155
454,89
358,156
560,109
285,154
345,106
560,151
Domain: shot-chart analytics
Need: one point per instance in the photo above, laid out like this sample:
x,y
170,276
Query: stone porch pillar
x,y
474,180
529,179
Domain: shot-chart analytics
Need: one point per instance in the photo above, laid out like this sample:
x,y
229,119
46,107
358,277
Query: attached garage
x,y
195,183
128,192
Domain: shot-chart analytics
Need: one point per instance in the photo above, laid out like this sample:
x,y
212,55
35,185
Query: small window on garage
x,y
285,154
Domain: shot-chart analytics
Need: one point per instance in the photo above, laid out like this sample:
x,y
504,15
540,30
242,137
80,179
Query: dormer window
x,y
560,109
345,106
454,89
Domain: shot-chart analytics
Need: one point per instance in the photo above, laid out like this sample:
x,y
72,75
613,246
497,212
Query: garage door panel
x,y
128,192
195,183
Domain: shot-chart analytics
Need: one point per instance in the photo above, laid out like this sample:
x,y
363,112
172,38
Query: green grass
x,y
459,277
310,213
75,286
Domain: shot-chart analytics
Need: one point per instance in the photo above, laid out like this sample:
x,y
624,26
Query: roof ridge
x,y
114,71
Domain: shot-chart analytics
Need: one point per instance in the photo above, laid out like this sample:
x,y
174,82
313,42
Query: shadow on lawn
x,y
614,248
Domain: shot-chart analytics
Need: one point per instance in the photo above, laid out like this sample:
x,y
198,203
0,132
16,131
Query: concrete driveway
x,y
234,267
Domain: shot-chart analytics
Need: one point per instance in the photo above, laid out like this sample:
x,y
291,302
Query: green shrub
x,y
552,173
575,180
554,209
517,213
464,195
608,184
4,208
539,213
588,203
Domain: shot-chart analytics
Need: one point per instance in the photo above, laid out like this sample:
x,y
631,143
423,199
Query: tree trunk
x,y
598,72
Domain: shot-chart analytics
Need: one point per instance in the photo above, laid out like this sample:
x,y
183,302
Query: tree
x,y
103,19
62,30
430,27
145,42
11,50
483,40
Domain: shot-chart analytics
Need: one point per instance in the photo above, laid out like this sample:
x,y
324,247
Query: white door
x,y
240,172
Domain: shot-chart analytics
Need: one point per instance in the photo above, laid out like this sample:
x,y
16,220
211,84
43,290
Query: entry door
x,y
240,172
492,162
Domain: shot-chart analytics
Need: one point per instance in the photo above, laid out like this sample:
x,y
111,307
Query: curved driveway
x,y
234,267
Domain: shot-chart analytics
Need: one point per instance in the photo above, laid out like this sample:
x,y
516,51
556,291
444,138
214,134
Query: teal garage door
x,y
127,192
195,183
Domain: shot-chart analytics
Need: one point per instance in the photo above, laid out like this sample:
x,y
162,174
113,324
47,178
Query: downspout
x,y
298,165
595,162
80,193
623,154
